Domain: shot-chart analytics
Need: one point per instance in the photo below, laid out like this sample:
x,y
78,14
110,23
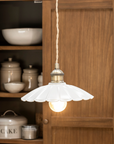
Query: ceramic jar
x,y
29,132
10,72
40,79
29,77
10,125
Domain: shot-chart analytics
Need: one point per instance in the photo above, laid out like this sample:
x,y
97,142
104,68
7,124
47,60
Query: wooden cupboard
x,y
14,14
86,57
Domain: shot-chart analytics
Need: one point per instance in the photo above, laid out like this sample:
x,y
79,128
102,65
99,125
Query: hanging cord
x,y
57,36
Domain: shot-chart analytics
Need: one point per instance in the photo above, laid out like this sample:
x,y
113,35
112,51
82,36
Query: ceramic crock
x,y
40,79
10,72
10,126
30,77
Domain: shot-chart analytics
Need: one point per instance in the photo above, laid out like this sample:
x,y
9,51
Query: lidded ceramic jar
x,y
29,77
10,72
10,125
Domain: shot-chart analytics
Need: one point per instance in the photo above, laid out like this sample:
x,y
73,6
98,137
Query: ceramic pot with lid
x,y
10,125
30,77
10,72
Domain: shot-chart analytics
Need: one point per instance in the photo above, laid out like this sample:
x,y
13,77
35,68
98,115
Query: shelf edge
x,y
20,47
21,141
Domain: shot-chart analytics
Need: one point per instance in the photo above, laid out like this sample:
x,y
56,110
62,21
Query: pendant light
x,y
57,92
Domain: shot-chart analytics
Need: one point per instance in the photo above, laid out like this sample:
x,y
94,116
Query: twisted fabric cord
x,y
57,36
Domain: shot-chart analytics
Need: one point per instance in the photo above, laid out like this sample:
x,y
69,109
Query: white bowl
x,y
14,87
23,36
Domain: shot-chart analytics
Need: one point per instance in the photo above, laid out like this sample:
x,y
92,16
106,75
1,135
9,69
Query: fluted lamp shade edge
x,y
54,92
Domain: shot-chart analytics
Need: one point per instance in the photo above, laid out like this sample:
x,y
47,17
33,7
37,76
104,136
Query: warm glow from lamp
x,y
57,106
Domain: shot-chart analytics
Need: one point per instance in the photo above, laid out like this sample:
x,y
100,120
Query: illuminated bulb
x,y
57,106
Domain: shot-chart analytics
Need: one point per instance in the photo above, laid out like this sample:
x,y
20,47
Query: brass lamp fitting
x,y
57,75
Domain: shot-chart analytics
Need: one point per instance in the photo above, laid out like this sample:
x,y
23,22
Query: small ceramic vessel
x,y
10,72
29,77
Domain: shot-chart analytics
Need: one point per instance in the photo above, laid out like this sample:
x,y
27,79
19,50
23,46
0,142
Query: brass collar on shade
x,y
57,76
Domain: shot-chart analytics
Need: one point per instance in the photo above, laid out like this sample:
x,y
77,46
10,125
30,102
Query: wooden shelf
x,y
21,141
20,47
11,95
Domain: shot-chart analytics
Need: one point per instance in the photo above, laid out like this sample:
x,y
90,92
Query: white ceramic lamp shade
x,y
57,93
54,92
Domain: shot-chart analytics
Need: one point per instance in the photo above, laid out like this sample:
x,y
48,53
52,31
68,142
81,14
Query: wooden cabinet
x,y
86,57
21,14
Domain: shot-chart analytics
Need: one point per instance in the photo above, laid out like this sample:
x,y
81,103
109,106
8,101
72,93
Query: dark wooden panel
x,y
82,122
85,56
19,14
25,58
26,109
81,136
85,5
39,119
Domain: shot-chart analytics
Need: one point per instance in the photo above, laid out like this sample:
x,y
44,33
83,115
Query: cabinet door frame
x,y
48,6
47,52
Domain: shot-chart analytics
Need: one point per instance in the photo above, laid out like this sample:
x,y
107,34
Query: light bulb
x,y
57,106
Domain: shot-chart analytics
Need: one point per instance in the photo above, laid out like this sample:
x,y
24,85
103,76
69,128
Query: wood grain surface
x,y
82,122
84,5
81,136
85,56
113,71
46,67
82,1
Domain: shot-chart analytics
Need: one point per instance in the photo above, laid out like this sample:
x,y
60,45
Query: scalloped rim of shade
x,y
54,92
